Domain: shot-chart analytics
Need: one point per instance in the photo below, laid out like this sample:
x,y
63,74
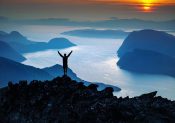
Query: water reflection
x,y
95,60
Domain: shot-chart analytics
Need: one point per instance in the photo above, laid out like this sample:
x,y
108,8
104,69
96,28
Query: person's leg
x,y
64,69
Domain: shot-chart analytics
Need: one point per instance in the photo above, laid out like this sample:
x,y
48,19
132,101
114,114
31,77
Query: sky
x,y
88,9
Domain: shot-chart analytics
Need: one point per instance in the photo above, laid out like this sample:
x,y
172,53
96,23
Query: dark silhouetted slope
x,y
63,100
57,70
8,52
148,51
14,71
3,33
92,33
157,41
150,62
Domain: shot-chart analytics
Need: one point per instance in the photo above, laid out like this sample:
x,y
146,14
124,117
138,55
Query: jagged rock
x,y
149,95
65,100
108,92
93,87
10,85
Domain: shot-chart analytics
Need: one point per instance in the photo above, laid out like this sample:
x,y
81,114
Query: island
x,y
148,52
149,62
21,44
93,33
153,40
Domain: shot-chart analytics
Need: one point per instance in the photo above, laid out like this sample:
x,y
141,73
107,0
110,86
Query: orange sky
x,y
87,1
89,9
141,5
140,1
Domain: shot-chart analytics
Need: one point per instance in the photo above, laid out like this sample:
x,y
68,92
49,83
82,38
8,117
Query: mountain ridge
x,y
113,23
21,44
93,33
148,39
65,100
14,71
147,62
8,52
148,52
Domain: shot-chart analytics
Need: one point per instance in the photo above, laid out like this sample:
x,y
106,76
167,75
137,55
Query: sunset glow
x,y
88,9
148,5
142,5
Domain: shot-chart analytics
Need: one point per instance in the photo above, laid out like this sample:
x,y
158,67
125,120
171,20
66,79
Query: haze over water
x,y
95,60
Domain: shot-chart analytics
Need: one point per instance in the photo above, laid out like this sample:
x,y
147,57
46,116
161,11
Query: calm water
x,y
95,60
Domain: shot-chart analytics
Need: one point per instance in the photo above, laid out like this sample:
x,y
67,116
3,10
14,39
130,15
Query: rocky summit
x,y
63,100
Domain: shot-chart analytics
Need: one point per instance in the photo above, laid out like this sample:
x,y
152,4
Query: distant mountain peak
x,y
59,39
8,52
148,51
21,44
149,31
149,39
3,33
16,34
97,33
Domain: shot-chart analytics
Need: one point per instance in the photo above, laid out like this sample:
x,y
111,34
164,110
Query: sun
x,y
147,5
147,8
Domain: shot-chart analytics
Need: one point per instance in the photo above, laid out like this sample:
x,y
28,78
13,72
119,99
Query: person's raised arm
x,y
60,54
69,54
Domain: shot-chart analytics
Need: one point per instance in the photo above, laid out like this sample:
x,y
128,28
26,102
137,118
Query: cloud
x,y
22,2
84,9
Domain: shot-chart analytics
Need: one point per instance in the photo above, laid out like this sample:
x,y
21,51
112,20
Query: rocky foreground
x,y
63,100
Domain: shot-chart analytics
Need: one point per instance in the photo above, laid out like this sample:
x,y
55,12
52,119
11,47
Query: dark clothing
x,y
65,61
65,64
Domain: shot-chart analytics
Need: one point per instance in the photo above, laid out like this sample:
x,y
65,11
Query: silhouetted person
x,y
65,61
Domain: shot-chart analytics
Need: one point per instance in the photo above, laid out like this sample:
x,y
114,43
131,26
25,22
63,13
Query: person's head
x,y
65,54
